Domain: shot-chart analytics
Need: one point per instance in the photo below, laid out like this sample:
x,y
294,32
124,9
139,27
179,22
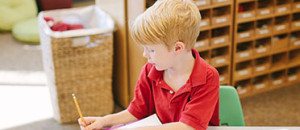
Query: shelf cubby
x,y
245,11
282,7
203,41
265,8
295,21
245,31
261,82
262,65
220,57
280,43
295,40
244,51
220,37
279,61
293,74
262,47
281,24
294,57
296,5
244,87
224,74
278,78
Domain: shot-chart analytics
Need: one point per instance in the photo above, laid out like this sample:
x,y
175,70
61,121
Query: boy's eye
x,y
151,50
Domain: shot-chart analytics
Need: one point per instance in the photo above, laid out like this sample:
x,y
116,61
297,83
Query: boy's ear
x,y
179,47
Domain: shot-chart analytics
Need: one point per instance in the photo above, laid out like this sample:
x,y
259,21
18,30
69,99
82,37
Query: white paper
x,y
148,121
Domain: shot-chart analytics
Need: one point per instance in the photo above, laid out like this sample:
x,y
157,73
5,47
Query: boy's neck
x,y
183,66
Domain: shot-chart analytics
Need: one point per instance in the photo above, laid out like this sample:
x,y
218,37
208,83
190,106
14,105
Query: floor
x,y
280,107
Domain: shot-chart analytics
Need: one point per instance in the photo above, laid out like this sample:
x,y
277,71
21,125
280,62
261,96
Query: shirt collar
x,y
197,77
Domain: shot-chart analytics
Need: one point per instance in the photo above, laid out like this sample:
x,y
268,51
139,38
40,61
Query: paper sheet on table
x,y
148,121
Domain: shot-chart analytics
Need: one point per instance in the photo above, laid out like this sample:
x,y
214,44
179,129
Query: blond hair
x,y
167,22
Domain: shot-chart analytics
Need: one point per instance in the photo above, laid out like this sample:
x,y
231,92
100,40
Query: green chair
x,y
231,113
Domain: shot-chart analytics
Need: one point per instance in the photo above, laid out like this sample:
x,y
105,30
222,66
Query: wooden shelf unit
x,y
266,52
219,41
215,40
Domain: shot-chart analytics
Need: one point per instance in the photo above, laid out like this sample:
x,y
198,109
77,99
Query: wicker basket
x,y
79,62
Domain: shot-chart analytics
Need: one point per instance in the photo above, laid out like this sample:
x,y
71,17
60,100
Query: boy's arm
x,y
120,118
168,126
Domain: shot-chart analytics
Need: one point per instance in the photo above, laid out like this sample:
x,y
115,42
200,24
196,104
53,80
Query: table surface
x,y
252,128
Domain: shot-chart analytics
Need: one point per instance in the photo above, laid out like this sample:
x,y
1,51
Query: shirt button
x,y
171,92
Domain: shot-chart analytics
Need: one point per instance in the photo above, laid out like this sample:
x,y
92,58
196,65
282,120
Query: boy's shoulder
x,y
210,70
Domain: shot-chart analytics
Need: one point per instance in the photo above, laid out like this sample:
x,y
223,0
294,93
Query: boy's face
x,y
159,56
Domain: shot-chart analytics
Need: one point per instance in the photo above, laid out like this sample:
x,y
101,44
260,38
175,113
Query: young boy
x,y
176,84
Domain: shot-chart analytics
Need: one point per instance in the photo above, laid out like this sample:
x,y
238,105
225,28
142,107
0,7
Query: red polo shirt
x,y
195,104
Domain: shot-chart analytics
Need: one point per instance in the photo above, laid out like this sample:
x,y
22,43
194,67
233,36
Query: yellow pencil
x,y
78,108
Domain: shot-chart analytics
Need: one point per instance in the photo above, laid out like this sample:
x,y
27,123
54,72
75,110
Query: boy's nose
x,y
145,54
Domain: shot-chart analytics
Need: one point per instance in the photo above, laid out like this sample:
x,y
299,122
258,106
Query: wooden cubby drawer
x,y
220,37
245,32
244,87
205,22
295,21
202,45
203,40
260,82
294,74
262,47
295,40
282,7
246,35
261,65
296,5
224,76
264,8
264,12
263,28
243,70
220,60
202,3
246,11
244,51
278,78
221,16
221,20
281,28
280,43
294,57
246,16
295,25
205,55
281,24
220,57
220,2
219,41
279,61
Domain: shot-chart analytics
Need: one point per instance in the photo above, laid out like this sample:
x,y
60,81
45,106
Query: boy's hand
x,y
92,123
